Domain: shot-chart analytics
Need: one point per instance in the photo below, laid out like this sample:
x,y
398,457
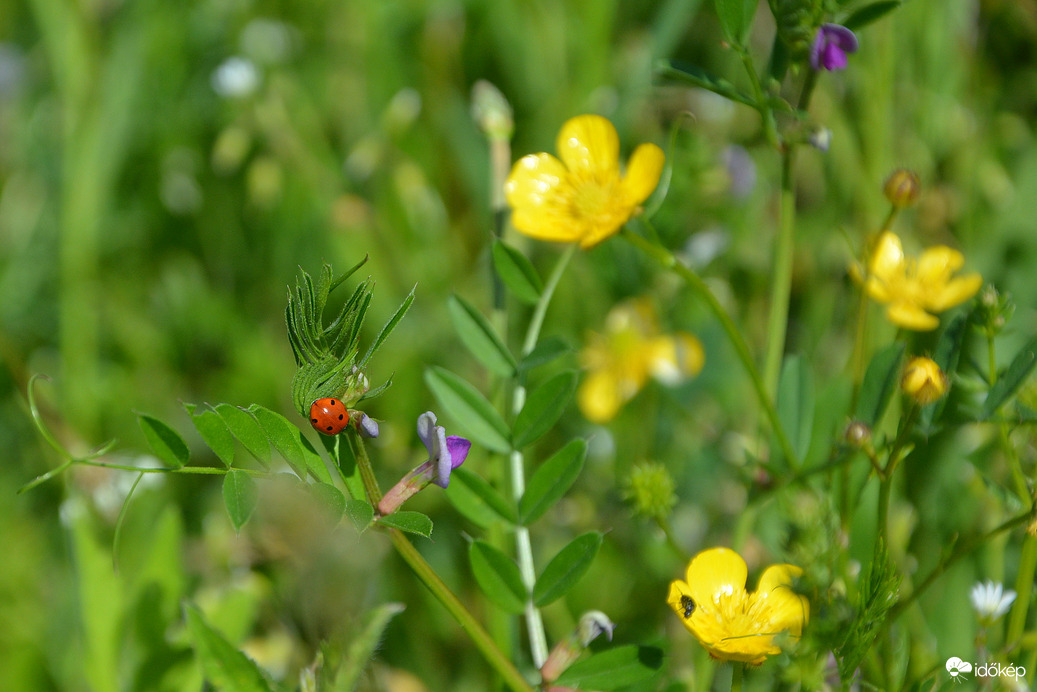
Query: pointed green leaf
x,y
566,568
796,404
214,433
880,383
498,576
224,667
389,327
330,497
735,18
614,668
543,408
165,442
289,442
1011,380
244,427
697,77
360,513
411,522
551,481
240,495
477,417
517,273
479,336
476,499
544,352
870,13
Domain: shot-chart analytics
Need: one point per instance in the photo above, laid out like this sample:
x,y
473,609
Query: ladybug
x,y
328,416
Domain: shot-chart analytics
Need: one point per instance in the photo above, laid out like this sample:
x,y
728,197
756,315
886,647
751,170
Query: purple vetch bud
x,y
445,453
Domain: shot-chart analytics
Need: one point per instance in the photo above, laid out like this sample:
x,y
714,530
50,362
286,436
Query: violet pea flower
x,y
830,47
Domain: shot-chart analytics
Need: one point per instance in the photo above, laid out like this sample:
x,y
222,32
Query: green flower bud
x,y
649,487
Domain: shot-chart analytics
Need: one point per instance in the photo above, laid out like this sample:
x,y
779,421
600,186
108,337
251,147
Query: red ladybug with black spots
x,y
328,416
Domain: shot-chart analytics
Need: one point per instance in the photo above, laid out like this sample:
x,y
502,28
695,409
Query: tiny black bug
x,y
688,605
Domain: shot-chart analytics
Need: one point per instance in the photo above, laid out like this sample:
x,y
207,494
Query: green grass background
x,y
149,227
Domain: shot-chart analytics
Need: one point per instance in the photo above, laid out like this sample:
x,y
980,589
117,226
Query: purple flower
x,y
830,47
445,453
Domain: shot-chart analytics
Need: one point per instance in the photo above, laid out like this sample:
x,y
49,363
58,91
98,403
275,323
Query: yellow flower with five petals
x,y
731,623
583,197
620,361
912,288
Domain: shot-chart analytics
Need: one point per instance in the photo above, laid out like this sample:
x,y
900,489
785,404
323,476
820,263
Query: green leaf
x,y
165,442
360,513
240,495
696,76
289,442
469,408
330,497
246,428
517,273
566,568
543,408
479,336
476,499
498,576
614,668
551,481
544,352
214,433
411,522
735,17
224,667
870,13
1010,381
389,327
880,382
796,404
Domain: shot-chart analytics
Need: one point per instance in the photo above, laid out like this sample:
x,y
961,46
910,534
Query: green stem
x,y
1023,587
668,261
482,640
781,276
737,671
770,127
523,544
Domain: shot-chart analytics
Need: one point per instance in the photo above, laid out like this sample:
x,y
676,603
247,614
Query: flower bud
x,y
857,433
592,624
923,381
902,188
492,111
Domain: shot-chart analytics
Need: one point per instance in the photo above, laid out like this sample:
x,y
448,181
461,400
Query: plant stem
x,y
781,276
1023,587
482,640
669,261
523,545
737,670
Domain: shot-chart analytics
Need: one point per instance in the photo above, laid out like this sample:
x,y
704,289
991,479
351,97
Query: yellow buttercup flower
x,y
731,623
913,289
583,197
923,381
632,350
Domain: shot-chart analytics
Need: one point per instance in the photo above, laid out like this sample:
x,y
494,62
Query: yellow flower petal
x,y
589,144
643,172
714,573
938,263
537,191
599,397
887,260
910,316
954,292
675,357
788,610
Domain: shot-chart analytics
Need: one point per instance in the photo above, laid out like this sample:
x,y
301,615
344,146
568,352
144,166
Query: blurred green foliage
x,y
156,200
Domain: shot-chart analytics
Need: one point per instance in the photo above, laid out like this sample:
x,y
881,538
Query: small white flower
x,y
236,77
991,601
